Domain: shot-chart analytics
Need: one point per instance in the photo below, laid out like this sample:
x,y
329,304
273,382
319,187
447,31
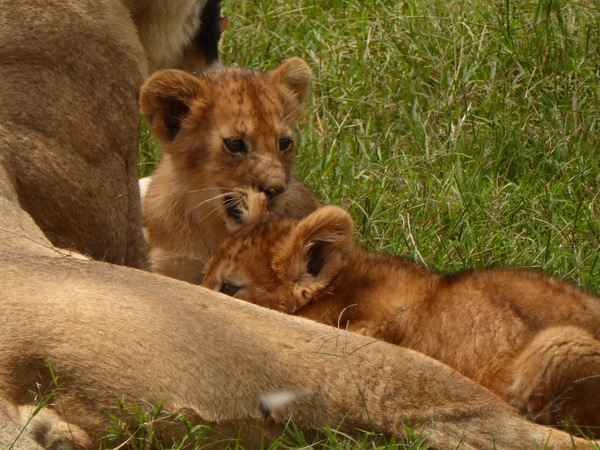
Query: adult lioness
x,y
224,133
71,72
110,333
531,339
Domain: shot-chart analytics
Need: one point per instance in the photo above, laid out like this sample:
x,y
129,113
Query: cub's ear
x,y
257,207
166,99
294,76
315,252
245,208
223,24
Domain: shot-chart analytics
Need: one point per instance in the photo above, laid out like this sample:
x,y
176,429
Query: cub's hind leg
x,y
556,378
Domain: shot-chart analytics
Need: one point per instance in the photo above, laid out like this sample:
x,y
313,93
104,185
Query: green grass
x,y
458,133
145,432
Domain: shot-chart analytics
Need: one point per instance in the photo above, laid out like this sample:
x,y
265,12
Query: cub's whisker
x,y
209,200
194,191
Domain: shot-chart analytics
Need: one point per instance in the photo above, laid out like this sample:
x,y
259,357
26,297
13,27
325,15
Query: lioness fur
x,y
111,333
531,339
97,332
71,72
224,133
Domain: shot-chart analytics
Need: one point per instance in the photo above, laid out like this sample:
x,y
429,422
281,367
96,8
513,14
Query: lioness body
x,y
227,130
111,333
529,338
71,73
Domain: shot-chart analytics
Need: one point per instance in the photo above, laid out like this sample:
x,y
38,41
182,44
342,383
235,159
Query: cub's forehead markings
x,y
238,251
250,102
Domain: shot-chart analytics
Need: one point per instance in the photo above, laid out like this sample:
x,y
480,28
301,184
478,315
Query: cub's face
x,y
243,268
229,130
283,264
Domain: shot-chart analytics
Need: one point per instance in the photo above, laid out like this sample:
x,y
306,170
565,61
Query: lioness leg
x,y
557,377
44,426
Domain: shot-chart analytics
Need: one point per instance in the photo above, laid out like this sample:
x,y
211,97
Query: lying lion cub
x,y
225,133
529,338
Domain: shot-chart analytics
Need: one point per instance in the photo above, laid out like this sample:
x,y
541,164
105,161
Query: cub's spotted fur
x,y
531,339
226,134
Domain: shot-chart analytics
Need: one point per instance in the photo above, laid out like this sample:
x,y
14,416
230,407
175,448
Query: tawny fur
x,y
167,30
110,332
529,338
186,203
71,72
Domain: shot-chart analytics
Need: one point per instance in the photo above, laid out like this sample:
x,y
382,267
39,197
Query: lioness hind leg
x,y
556,378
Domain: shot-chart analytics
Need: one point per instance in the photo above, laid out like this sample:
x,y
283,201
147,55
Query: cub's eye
x,y
235,146
285,144
229,289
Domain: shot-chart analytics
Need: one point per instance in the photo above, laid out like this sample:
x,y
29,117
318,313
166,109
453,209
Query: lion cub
x,y
529,338
224,134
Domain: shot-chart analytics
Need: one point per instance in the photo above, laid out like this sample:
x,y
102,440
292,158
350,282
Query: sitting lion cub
x,y
224,134
529,338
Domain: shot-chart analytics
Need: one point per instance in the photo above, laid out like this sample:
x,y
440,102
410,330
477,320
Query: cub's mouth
x,y
233,209
244,206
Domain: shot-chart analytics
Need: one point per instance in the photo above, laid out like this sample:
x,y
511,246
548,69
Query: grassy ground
x,y
461,133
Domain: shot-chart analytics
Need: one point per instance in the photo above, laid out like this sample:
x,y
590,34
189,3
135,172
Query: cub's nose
x,y
273,191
